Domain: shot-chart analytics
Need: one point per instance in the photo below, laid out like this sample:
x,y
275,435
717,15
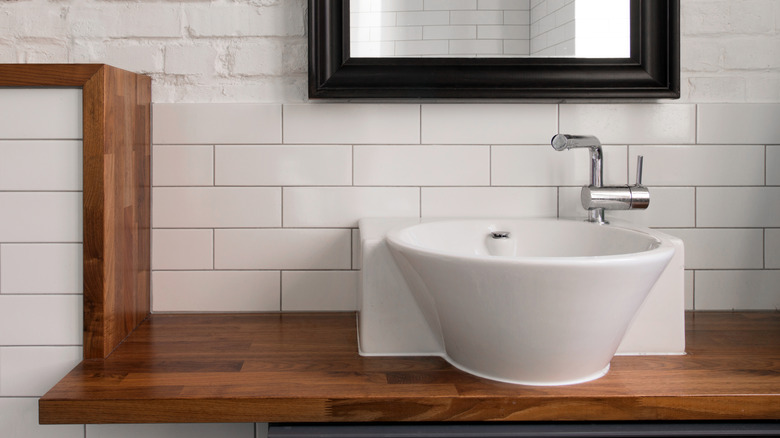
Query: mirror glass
x,y
489,28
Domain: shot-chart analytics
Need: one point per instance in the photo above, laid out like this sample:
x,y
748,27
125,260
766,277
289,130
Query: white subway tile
x,y
183,166
372,19
772,248
39,113
283,249
40,217
40,320
423,18
488,123
32,371
323,291
449,32
371,49
699,165
476,47
421,48
397,5
283,165
182,249
196,123
359,35
689,293
631,123
40,165
344,206
569,204
360,5
544,166
503,32
215,291
518,18
422,165
450,5
739,290
747,123
180,430
505,5
773,165
41,268
517,47
669,207
489,202
476,17
335,123
734,248
356,249
201,207
19,416
738,207
393,33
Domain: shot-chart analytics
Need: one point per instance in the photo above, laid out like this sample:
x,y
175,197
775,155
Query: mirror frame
x,y
652,71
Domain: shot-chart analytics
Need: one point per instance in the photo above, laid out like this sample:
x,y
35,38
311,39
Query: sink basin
x,y
535,302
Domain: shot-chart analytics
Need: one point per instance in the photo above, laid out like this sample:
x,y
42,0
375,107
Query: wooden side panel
x,y
117,207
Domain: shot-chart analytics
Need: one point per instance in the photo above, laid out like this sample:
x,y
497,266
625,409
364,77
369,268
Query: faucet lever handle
x,y
639,160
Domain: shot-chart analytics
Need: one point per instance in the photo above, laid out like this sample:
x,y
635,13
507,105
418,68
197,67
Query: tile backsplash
x,y
256,207
40,252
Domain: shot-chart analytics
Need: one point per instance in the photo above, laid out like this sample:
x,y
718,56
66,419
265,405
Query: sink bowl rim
x,y
663,245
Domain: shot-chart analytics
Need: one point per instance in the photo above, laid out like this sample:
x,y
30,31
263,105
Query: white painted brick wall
x,y
729,47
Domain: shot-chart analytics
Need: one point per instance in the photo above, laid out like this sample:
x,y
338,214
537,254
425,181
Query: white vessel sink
x,y
547,305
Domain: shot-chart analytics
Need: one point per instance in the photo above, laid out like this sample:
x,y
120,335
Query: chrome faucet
x,y
595,197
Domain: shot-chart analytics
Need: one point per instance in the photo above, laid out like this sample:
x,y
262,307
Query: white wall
x,y
274,184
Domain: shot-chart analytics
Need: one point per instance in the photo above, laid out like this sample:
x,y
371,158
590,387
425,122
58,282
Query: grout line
x,y
766,164
281,207
490,165
281,119
419,199
420,133
695,207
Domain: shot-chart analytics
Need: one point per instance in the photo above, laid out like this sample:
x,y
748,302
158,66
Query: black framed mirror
x,y
651,71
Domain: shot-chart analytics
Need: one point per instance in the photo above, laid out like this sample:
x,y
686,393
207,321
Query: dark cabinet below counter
x,y
529,430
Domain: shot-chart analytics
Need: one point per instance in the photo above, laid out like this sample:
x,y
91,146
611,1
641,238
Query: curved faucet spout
x,y
562,142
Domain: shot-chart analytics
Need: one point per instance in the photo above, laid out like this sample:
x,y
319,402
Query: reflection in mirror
x,y
489,28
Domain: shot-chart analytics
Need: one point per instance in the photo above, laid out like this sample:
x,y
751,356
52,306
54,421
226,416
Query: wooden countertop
x,y
305,368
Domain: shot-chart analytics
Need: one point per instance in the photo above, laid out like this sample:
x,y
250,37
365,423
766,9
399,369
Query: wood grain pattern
x,y
117,207
116,180
47,75
305,368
